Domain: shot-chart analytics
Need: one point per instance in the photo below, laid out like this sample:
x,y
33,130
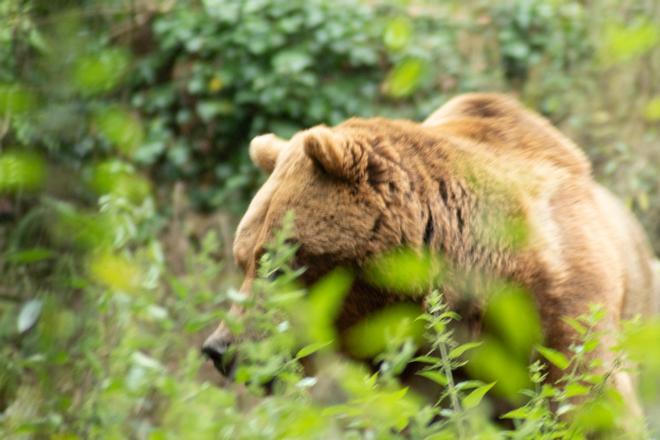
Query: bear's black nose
x,y
218,350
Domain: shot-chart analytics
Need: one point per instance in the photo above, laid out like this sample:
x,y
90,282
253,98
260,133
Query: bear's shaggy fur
x,y
492,187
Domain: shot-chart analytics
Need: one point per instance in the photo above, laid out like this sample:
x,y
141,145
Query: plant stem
x,y
451,390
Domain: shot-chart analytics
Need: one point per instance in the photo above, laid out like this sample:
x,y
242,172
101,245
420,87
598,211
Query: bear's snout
x,y
218,348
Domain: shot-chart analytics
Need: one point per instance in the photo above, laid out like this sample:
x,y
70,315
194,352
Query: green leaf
x,y
626,42
576,389
458,351
554,357
405,77
32,255
15,99
101,71
575,325
426,359
518,413
21,171
548,391
474,398
435,376
398,33
311,348
291,61
591,345
652,110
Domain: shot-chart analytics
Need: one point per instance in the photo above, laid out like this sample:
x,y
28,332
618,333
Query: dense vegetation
x,y
123,167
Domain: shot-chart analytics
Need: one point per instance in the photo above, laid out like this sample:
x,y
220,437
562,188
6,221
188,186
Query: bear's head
x,y
352,197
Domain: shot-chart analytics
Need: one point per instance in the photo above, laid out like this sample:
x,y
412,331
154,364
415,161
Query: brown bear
x,y
480,166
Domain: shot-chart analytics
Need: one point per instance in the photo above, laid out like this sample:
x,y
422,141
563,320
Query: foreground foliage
x,y
121,120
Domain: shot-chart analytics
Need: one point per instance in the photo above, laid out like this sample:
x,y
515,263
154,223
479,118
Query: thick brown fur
x,y
492,187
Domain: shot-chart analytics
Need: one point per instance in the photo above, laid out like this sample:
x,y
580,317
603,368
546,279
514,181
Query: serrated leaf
x,y
461,349
576,389
468,384
575,325
554,357
28,315
435,376
426,359
474,398
591,345
311,348
519,413
548,391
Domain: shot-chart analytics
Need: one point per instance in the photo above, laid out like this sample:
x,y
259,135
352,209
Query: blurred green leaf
x,y
33,255
16,99
100,72
291,62
398,33
117,177
652,110
405,77
492,362
21,171
576,389
115,272
511,314
311,348
625,42
122,129
319,311
369,337
404,271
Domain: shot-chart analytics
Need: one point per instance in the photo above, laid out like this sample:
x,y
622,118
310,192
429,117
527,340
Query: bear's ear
x,y
335,153
264,150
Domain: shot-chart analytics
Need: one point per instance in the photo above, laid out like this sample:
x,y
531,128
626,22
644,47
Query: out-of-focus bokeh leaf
x,y
625,42
21,171
405,77
317,314
15,99
493,362
404,271
32,255
120,178
652,110
121,128
512,315
101,71
370,336
398,33
115,272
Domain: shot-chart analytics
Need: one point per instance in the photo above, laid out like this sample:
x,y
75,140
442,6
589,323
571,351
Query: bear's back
x,y
503,125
